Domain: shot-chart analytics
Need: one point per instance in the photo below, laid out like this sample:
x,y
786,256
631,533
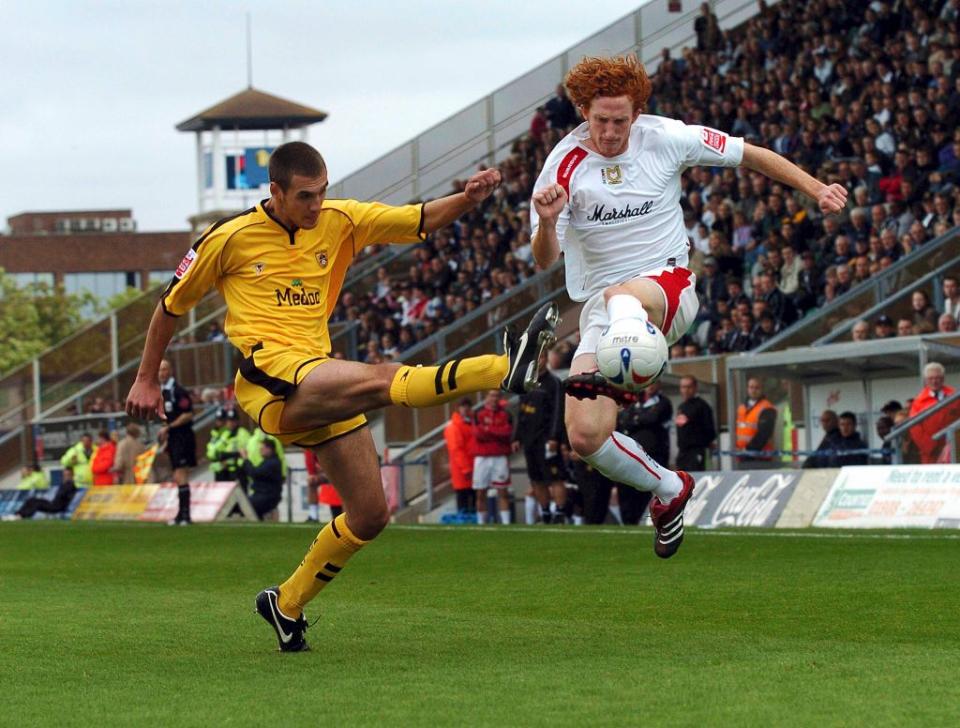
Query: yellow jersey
x,y
281,285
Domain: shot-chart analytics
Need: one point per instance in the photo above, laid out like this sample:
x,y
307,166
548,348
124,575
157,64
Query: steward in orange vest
x,y
756,419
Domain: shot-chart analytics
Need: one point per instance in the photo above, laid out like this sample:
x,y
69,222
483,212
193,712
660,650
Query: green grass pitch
x,y
106,624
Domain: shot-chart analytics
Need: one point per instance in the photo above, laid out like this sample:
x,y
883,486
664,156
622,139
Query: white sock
x,y
481,517
553,508
314,511
624,306
615,512
505,517
578,520
530,509
622,460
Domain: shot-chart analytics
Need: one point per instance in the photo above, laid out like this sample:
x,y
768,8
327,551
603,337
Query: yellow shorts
x,y
267,378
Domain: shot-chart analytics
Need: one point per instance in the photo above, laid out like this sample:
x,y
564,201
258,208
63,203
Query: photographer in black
x,y
696,430
539,431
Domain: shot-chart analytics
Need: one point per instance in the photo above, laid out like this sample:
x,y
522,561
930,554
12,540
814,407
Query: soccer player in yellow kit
x,y
280,266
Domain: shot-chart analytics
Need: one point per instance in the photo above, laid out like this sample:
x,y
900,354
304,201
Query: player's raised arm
x,y
548,203
830,198
145,400
444,210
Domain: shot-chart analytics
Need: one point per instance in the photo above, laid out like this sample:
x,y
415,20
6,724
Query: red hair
x,y
617,76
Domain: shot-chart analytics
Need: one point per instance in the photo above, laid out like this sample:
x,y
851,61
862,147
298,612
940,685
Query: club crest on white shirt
x,y
714,139
612,175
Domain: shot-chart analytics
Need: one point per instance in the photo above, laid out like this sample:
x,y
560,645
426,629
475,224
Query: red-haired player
x,y
608,198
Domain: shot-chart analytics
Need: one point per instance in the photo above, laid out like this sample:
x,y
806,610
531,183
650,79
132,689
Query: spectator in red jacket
x,y
933,392
460,449
101,465
493,430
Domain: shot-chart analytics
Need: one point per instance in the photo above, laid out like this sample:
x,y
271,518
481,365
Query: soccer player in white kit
x,y
608,198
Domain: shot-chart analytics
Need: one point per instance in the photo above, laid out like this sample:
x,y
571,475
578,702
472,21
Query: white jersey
x,y
623,215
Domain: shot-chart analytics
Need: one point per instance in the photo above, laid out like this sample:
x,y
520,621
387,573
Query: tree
x,y
35,317
119,300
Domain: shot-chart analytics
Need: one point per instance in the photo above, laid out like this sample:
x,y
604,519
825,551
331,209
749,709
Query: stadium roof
x,y
253,109
853,360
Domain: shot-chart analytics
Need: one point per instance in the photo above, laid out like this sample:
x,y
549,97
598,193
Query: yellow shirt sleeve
x,y
375,222
197,273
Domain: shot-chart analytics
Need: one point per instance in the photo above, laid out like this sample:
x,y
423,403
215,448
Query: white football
x,y
632,353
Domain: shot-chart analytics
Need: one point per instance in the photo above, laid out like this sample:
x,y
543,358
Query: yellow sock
x,y
426,386
327,555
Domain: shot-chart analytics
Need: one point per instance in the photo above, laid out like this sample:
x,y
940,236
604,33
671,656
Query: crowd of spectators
x,y
866,94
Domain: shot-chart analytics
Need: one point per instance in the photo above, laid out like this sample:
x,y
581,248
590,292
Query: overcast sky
x,y
91,91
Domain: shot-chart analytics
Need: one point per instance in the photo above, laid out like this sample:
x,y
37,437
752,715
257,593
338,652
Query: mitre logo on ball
x,y
632,353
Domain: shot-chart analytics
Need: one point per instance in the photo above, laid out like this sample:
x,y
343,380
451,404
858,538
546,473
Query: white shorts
x,y
491,471
679,293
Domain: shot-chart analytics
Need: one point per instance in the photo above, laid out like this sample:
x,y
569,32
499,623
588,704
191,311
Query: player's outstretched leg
x,y
515,371
335,390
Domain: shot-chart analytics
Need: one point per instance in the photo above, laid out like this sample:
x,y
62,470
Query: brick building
x,y
101,251
95,250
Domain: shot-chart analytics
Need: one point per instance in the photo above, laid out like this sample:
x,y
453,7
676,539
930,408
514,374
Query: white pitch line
x,y
581,530
646,531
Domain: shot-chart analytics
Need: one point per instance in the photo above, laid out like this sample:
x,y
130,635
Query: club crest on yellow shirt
x,y
612,175
322,258
258,268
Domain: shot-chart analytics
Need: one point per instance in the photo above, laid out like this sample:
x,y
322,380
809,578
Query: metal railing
x,y
93,351
951,435
483,132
